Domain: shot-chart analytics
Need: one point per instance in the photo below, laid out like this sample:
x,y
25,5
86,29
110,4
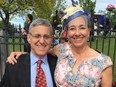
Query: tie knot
x,y
39,62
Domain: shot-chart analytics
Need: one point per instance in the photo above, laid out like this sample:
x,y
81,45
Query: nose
x,y
77,31
41,40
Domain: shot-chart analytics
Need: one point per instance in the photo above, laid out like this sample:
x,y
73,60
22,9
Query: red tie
x,y
40,78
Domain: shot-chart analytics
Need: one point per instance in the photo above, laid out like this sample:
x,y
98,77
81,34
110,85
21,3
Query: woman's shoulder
x,y
101,56
104,60
100,60
105,57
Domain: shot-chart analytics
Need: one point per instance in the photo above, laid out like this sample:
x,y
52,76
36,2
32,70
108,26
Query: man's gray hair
x,y
40,21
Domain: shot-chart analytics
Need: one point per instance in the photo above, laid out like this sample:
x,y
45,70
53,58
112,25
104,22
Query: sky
x,y
18,20
100,5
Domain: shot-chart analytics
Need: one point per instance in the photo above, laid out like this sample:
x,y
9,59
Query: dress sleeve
x,y
107,62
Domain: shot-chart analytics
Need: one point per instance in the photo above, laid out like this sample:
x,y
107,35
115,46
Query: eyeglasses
x,y
38,36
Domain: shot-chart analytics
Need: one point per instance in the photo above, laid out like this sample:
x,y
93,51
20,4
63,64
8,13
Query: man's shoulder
x,y
51,56
23,59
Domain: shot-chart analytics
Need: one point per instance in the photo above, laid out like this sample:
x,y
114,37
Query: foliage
x,y
88,4
1,24
114,17
39,8
10,8
48,8
12,27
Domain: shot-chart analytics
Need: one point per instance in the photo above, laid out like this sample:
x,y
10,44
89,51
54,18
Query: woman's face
x,y
27,19
78,32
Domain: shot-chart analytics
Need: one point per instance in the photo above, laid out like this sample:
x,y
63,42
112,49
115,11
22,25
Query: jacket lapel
x,y
52,60
26,74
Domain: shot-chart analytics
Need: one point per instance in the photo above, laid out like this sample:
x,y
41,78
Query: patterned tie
x,y
40,78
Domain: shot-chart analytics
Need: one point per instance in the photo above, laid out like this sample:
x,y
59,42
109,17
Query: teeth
x,y
41,46
76,38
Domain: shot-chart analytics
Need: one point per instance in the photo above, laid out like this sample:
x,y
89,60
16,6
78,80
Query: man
x,y
29,19
23,73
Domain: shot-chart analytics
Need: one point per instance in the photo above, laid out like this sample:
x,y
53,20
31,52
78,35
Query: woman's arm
x,y
107,77
13,56
54,50
12,59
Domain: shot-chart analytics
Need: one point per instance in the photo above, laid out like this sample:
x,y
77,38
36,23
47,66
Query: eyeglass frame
x,y
38,36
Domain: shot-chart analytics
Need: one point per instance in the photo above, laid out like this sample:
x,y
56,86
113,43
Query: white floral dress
x,y
88,73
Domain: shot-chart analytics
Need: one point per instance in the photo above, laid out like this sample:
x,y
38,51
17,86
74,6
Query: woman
x,y
79,65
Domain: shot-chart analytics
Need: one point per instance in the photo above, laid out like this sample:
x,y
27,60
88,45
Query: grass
x,y
107,46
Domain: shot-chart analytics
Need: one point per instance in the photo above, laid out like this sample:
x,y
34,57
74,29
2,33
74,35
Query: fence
x,y
15,42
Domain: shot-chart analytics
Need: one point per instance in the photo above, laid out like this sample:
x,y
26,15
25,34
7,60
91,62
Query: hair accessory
x,y
87,13
73,3
61,14
71,12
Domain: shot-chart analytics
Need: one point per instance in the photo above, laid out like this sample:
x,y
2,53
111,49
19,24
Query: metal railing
x,y
15,42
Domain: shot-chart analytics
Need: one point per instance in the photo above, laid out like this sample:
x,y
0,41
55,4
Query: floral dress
x,y
88,73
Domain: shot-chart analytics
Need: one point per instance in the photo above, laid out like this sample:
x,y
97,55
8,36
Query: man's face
x,y
40,40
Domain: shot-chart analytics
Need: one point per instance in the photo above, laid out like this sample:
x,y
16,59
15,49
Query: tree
x,y
10,8
39,8
114,17
88,4
47,8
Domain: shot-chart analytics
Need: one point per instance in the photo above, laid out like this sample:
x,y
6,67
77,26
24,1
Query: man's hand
x,y
12,59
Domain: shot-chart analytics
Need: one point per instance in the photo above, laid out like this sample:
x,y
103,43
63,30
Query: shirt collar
x,y
34,59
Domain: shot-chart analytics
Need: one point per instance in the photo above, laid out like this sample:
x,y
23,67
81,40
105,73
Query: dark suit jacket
x,y
18,75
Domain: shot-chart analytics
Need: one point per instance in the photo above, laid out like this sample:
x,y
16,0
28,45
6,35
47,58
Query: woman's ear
x,y
89,30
